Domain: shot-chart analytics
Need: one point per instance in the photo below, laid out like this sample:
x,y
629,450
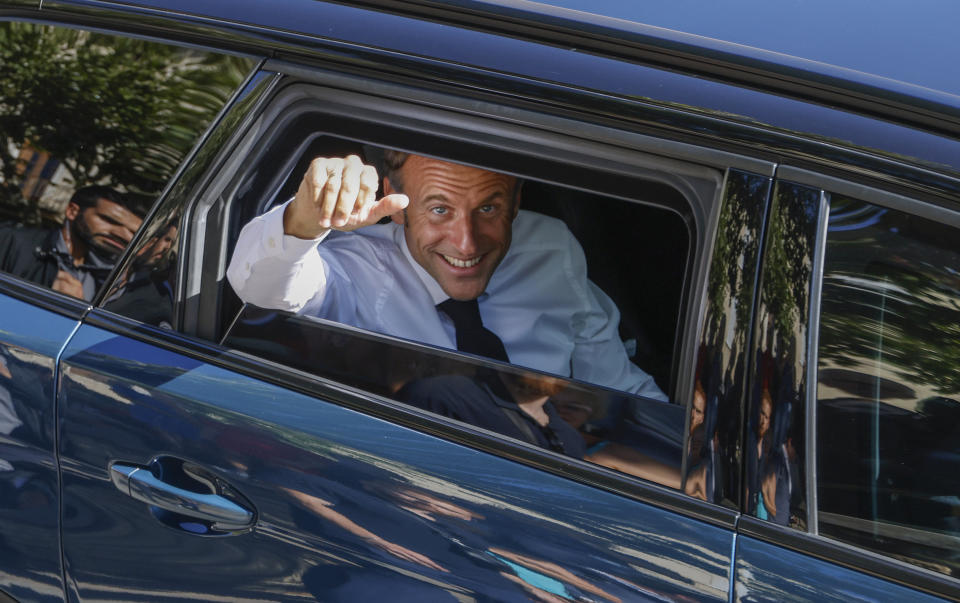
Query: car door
x,y
247,468
857,442
331,502
337,492
35,325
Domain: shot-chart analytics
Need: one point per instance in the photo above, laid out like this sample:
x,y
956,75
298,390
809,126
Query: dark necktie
x,y
472,336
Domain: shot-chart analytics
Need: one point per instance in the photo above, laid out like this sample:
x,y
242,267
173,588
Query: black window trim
x,y
944,210
507,109
852,557
42,297
203,167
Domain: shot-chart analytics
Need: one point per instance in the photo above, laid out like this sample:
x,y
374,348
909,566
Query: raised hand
x,y
339,194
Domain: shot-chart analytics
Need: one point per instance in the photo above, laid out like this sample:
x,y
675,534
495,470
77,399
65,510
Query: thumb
x,y
388,206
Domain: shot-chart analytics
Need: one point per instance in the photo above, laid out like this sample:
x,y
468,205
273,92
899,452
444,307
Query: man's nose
x,y
464,235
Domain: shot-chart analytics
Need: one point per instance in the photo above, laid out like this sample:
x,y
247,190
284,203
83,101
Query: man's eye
x,y
439,211
487,209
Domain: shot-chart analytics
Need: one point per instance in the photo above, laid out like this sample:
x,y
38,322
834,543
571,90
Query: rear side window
x,y
92,126
888,415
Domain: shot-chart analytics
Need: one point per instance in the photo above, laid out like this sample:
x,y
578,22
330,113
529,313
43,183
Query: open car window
x,y
634,257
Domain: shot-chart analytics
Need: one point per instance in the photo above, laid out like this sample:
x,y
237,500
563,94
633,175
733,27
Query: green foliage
x,y
791,233
735,254
116,111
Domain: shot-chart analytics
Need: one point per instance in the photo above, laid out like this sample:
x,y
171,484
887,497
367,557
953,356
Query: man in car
x,y
459,266
76,257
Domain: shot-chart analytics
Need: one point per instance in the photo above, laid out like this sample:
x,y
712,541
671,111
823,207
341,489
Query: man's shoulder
x,y
25,233
533,231
19,238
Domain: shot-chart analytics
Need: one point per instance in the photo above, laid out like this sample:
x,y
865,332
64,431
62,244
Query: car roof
x,y
911,42
818,73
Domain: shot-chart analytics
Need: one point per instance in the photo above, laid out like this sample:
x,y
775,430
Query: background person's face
x,y
766,410
458,223
159,248
106,227
696,412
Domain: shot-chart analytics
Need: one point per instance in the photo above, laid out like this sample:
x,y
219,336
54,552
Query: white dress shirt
x,y
539,301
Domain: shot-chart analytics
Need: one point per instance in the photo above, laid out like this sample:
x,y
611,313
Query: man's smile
x,y
458,263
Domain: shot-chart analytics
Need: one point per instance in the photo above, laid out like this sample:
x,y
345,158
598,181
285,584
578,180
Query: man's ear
x,y
72,211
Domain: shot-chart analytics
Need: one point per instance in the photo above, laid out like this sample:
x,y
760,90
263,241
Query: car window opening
x,y
635,256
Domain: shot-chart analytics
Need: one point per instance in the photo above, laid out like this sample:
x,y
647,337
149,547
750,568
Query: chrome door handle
x,y
140,484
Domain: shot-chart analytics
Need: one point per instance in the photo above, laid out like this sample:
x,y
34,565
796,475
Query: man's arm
x,y
598,355
275,264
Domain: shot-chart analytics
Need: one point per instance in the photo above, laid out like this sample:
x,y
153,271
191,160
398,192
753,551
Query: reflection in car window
x,y
92,126
888,416
630,434
774,481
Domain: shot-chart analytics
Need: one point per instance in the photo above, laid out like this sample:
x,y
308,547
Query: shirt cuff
x,y
276,243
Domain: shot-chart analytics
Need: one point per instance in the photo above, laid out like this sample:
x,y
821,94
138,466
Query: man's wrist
x,y
301,229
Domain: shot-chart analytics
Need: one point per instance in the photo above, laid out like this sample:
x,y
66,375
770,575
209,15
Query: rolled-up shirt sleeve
x,y
273,270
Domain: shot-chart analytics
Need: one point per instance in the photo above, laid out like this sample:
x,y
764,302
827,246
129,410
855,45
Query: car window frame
x,y
925,204
428,102
655,146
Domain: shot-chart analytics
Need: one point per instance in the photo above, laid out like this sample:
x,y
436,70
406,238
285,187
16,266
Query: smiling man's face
x,y
458,223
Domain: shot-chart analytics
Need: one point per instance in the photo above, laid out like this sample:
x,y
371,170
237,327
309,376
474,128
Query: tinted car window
x,y
630,434
888,415
92,127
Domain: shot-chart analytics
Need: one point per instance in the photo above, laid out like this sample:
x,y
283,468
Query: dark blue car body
x,y
92,392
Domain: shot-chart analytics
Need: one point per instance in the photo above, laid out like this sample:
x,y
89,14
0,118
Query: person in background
x,y
77,257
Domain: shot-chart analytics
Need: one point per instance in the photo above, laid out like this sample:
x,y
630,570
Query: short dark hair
x,y
87,196
394,160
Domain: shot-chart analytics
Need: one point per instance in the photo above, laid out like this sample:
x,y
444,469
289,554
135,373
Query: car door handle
x,y
141,484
